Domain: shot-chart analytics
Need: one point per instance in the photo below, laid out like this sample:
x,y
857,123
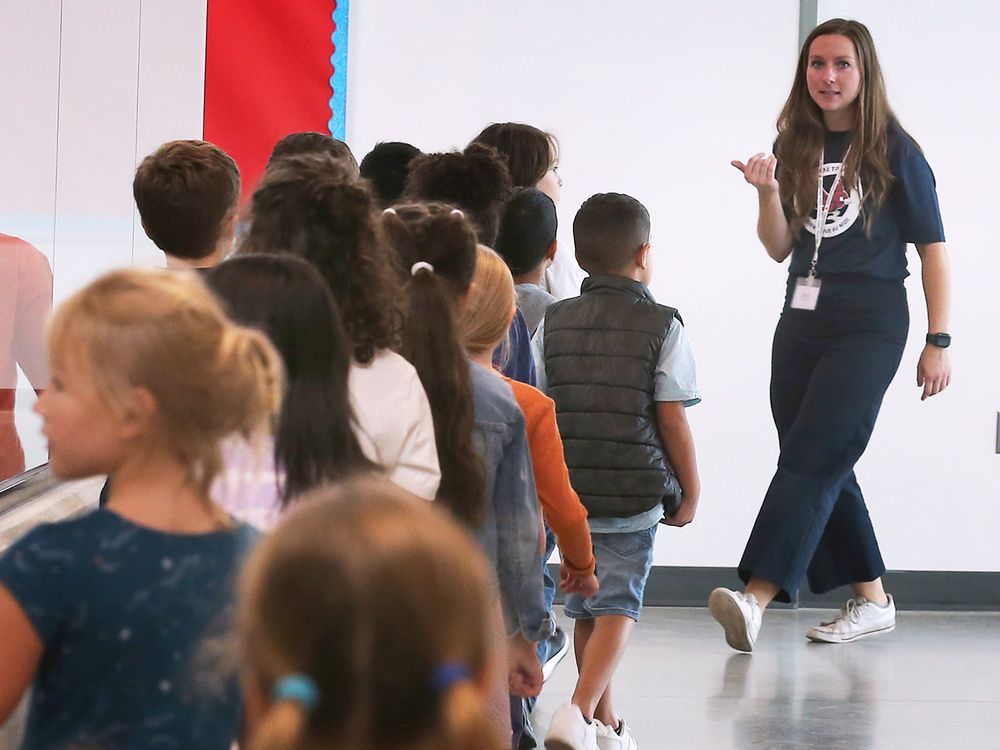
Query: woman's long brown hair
x,y
801,132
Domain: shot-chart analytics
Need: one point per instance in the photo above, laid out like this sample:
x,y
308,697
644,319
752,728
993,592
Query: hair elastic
x,y
390,211
448,675
457,211
421,266
297,688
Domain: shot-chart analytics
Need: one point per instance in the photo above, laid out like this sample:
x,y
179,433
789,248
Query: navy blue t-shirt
x,y
910,214
136,625
513,357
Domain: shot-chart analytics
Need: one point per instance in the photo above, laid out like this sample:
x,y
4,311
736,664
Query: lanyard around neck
x,y
823,207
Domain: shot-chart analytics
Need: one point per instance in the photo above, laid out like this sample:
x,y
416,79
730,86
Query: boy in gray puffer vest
x,y
621,371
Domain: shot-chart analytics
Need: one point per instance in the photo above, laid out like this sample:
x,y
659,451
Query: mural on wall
x,y
273,69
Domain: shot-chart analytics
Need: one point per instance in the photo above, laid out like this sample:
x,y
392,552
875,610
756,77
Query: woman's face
x,y
833,76
551,183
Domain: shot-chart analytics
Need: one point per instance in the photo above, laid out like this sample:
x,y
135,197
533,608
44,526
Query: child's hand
x,y
524,670
684,514
759,172
574,583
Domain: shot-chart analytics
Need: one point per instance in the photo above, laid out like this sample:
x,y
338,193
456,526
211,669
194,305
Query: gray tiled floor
x,y
933,683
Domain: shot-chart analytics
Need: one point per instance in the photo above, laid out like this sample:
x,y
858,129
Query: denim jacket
x,y
511,533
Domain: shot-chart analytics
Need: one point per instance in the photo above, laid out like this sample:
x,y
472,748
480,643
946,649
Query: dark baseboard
x,y
670,586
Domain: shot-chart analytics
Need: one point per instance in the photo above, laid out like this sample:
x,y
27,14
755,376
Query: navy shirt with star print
x,y
910,214
136,625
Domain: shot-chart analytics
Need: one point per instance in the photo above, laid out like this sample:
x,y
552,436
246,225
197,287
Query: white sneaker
x,y
859,618
570,731
616,739
738,614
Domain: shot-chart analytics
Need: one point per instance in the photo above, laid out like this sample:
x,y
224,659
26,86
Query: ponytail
x,y
246,394
438,245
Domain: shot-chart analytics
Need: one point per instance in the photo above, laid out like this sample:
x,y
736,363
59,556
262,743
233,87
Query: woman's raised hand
x,y
759,172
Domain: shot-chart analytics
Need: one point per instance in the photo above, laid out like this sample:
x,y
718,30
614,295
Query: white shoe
x,y
570,731
859,618
616,739
739,615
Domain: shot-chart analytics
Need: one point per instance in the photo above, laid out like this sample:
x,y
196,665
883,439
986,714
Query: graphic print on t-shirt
x,y
844,207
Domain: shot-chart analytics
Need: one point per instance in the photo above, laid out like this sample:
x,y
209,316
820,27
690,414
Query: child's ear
x,y
550,254
139,414
642,257
229,226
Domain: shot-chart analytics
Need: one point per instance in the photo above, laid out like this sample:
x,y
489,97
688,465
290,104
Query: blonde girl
x,y
485,322
117,619
364,623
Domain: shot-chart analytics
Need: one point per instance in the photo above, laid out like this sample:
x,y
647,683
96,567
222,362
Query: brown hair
x,y
801,132
313,207
608,231
185,191
475,180
528,151
440,236
310,142
285,298
324,596
163,331
487,315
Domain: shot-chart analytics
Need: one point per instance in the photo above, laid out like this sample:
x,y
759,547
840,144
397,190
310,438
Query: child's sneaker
x,y
616,739
556,647
570,731
859,618
738,614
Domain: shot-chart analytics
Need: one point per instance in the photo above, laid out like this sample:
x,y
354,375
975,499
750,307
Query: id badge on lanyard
x,y
806,294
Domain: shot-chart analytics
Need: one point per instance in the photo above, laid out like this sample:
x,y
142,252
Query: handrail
x,y
21,489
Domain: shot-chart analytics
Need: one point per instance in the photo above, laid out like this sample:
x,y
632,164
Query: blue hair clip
x,y
448,675
298,688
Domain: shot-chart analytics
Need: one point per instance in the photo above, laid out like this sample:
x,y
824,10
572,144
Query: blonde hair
x,y
369,592
163,331
487,315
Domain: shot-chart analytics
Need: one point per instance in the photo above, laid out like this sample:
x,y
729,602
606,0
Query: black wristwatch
x,y
942,340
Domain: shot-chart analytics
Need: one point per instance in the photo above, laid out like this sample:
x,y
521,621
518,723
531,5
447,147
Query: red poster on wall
x,y
267,73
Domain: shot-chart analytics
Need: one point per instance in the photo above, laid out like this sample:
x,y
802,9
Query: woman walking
x,y
844,193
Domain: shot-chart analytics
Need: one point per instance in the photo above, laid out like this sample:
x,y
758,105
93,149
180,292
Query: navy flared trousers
x,y
830,368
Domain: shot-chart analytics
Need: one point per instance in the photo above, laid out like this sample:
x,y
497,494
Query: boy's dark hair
x,y
185,191
285,298
314,207
475,180
297,144
386,166
527,151
528,226
442,237
608,231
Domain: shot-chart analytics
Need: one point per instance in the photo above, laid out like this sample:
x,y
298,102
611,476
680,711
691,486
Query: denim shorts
x,y
623,563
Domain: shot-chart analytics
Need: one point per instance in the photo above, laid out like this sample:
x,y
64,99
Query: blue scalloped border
x,y
338,81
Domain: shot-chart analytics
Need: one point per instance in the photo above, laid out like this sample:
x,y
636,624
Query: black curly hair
x,y
314,207
475,180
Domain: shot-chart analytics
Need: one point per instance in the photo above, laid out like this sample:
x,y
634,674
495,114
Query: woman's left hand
x,y
933,371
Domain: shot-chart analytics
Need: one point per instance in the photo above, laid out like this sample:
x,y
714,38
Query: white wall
x,y
92,88
654,100
931,471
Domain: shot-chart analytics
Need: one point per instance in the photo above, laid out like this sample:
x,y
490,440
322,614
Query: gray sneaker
x,y
859,618
738,614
